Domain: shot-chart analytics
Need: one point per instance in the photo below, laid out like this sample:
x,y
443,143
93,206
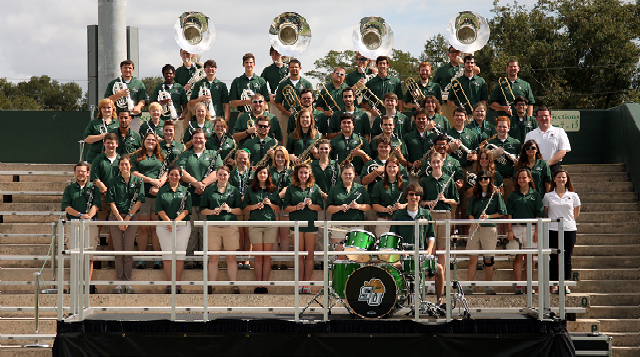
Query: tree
x,y
435,52
42,93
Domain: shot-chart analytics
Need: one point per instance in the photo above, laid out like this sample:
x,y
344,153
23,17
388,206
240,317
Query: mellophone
x,y
377,288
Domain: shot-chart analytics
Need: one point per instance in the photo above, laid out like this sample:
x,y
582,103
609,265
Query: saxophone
x,y
168,109
230,154
350,156
206,91
264,160
123,102
306,155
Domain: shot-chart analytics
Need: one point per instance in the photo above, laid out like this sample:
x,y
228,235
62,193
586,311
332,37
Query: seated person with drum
x,y
427,238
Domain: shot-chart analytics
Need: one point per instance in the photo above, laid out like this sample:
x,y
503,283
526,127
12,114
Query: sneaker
x,y
519,290
236,290
118,289
306,290
167,290
480,266
190,265
489,290
300,289
179,289
283,266
240,265
567,291
431,290
141,265
129,290
199,265
247,266
467,290
92,289
157,265
317,266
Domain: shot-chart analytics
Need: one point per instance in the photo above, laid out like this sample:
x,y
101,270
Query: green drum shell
x,y
341,270
359,240
389,242
401,285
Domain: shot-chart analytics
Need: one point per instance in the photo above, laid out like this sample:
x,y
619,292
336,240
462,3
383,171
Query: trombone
x,y
368,95
414,89
457,86
319,88
291,97
504,80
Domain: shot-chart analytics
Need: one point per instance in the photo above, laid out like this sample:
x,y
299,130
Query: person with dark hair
x,y
125,195
505,145
485,163
333,93
221,141
170,147
241,177
187,70
306,100
262,201
561,203
303,200
135,89
418,142
523,202
177,93
398,149
103,168
485,203
296,82
462,135
128,140
304,135
450,165
531,159
247,81
262,145
382,84
246,124
327,174
348,143
472,88
97,128
552,141
360,118
280,172
426,87
374,170
274,73
445,74
219,93
505,92
356,78
435,119
400,121
386,195
521,122
479,123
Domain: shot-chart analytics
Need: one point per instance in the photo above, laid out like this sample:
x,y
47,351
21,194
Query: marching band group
x,y
355,149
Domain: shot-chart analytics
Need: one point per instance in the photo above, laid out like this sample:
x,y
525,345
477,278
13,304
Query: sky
x,y
50,37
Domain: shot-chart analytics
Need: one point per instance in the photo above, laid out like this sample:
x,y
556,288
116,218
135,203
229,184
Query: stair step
x,y
619,325
33,186
578,168
41,219
30,206
22,228
603,187
604,176
583,325
606,286
597,197
620,351
629,339
595,239
616,207
586,262
615,299
624,312
24,249
35,167
607,250
606,274
609,217
630,227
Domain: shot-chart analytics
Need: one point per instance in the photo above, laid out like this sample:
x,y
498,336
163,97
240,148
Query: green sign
x,y
568,120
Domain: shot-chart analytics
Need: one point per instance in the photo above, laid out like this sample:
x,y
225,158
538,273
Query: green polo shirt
x,y
169,201
212,198
328,177
258,148
518,87
417,145
219,94
402,125
224,144
173,150
475,90
510,145
442,123
366,171
432,187
241,125
252,197
122,193
431,88
281,179
383,85
97,127
149,167
450,166
306,216
540,172
193,125
388,197
353,77
273,74
184,74
78,198
319,117
241,181
297,147
129,143
528,205
137,90
103,169
476,206
256,84
484,132
360,125
444,74
341,148
338,196
520,128
335,93
298,87
148,126
469,138
394,143
408,232
178,96
197,167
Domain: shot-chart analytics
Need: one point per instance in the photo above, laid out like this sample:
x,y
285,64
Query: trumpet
x,y
366,94
250,124
167,109
125,101
306,155
246,95
350,156
319,88
291,97
206,91
414,89
504,80
415,170
457,86
502,158
471,179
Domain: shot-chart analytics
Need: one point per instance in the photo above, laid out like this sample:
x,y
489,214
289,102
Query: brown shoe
x,y
236,290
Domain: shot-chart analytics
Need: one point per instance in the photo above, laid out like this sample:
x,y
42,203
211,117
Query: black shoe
x,y
97,265
210,290
190,265
317,266
257,290
141,265
92,289
199,265
283,266
157,265
111,265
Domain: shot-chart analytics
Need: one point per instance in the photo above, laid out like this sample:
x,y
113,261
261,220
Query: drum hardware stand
x,y
315,298
458,297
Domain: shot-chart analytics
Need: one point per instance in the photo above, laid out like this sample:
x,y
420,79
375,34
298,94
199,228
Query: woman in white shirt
x,y
561,202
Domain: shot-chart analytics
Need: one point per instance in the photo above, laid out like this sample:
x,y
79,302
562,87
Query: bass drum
x,y
376,292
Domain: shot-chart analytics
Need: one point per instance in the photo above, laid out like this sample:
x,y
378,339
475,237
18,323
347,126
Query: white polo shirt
x,y
561,207
549,142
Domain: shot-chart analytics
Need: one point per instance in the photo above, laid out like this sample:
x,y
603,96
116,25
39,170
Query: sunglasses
x,y
361,58
530,148
263,126
412,194
484,178
257,101
339,74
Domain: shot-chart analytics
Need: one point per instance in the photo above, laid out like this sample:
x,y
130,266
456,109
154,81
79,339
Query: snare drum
x,y
428,265
359,240
389,242
375,292
341,269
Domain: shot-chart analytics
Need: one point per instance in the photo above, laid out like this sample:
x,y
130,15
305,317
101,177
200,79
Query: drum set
x,y
379,284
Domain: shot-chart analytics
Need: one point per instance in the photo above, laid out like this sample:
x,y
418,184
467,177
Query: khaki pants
x,y
282,119
447,111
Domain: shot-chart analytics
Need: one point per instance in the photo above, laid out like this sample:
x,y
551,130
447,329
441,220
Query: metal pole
x,y
416,262
296,268
37,312
205,269
529,267
112,40
561,271
54,250
447,260
327,291
81,272
540,274
61,270
545,285
73,240
87,261
173,271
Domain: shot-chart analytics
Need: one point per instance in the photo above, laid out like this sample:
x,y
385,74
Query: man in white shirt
x,y
553,142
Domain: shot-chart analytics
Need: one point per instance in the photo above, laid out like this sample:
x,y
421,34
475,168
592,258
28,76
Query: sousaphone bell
x,y
468,31
194,32
373,37
290,34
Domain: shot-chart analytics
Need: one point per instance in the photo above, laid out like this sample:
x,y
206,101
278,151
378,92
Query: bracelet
x,y
79,214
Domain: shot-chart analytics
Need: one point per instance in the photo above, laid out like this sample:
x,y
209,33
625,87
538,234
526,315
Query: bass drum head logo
x,y
372,292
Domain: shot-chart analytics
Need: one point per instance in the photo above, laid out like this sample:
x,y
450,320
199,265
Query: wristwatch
x,y
80,215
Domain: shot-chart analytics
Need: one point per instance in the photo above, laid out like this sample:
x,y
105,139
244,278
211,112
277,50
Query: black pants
x,y
569,242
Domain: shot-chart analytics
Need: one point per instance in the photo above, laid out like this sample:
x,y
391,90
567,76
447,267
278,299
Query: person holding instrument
x,y
246,125
326,173
468,89
304,135
400,121
247,81
485,203
169,146
360,118
155,124
485,163
281,177
397,147
386,196
382,84
479,123
521,122
303,201
508,89
531,159
426,87
241,178
350,145
128,140
222,202
178,96
261,147
125,195
173,203
505,148
97,128
203,121
220,141
331,94
435,120
219,95
306,103
135,89
296,82
146,164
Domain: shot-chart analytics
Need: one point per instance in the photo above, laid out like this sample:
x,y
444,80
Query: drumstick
x,y
339,229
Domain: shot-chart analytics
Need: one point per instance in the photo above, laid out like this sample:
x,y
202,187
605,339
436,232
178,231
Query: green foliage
x,y
326,65
435,51
41,93
151,82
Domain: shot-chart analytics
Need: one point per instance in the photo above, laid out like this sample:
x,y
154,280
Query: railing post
x,y
61,269
529,265
327,289
416,261
296,245
205,269
561,272
541,286
37,312
447,260
173,270
87,261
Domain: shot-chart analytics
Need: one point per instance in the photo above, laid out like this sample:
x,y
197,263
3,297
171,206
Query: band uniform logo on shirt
x,y
355,142
372,292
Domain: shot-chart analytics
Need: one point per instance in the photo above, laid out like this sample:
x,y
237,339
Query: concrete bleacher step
x,y
615,207
25,352
606,274
607,286
609,217
603,186
619,325
578,168
30,206
632,227
23,228
625,338
598,197
622,312
629,261
607,249
35,167
596,239
615,299
43,219
33,186
603,176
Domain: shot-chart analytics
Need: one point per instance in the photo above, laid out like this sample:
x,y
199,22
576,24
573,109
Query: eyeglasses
x,y
257,101
521,104
530,148
484,178
412,194
361,59
263,126
339,74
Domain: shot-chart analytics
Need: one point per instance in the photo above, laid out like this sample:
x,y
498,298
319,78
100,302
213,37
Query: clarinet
x,y
335,171
183,201
213,161
165,163
134,199
90,200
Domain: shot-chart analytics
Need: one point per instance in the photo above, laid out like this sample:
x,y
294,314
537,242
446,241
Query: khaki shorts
x,y
223,238
486,238
520,232
382,229
440,229
148,207
262,235
94,237
106,209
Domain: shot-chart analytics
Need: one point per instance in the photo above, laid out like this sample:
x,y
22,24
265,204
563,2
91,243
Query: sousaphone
x,y
290,34
373,37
